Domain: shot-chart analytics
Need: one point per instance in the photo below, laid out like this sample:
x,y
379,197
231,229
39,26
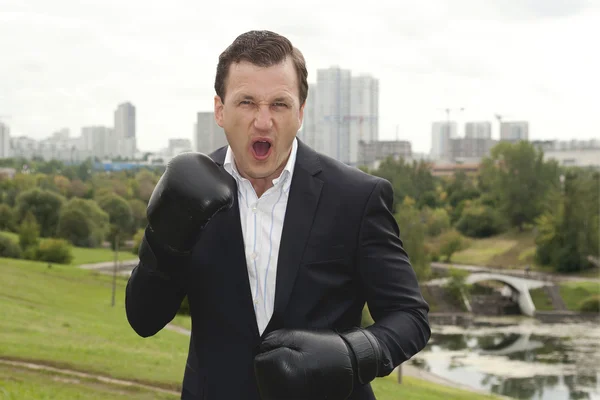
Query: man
x,y
278,249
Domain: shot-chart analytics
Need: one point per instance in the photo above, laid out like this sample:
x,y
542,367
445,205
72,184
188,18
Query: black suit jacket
x,y
340,247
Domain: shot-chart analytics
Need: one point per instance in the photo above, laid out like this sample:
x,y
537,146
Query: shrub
x,y
590,304
451,243
9,248
54,250
7,218
437,221
480,221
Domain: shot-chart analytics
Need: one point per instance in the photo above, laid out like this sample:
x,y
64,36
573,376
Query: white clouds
x,y
69,63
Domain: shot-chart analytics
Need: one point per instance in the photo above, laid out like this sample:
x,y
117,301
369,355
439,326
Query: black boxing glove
x,y
309,365
191,191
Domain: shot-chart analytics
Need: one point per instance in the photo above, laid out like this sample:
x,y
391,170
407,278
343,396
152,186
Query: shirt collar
x,y
287,172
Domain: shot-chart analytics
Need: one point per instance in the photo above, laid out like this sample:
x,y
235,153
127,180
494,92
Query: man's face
x,y
261,116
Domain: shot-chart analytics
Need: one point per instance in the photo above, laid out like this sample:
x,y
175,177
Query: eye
x,y
280,105
245,102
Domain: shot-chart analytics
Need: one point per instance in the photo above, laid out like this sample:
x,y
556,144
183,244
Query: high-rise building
x,y
514,131
441,133
333,112
309,131
478,130
364,109
125,130
99,141
341,111
5,151
209,136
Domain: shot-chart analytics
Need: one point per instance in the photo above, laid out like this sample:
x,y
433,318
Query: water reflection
x,y
518,358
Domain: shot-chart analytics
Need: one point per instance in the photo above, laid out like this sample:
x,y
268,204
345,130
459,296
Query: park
x,y
505,294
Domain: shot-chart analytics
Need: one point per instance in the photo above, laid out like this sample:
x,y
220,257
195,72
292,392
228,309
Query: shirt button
x,y
253,256
254,210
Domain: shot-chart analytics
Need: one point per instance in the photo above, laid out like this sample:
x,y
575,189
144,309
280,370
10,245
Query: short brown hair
x,y
264,49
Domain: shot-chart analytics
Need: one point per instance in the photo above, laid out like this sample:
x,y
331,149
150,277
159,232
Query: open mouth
x,y
261,149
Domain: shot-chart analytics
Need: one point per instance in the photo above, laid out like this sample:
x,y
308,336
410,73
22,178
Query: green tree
x,y
520,178
9,248
76,227
437,220
413,235
568,233
7,218
457,286
120,217
451,242
29,232
96,217
409,180
45,205
145,181
460,188
138,209
480,221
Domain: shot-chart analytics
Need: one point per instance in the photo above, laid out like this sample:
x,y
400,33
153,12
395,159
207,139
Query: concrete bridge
x,y
519,287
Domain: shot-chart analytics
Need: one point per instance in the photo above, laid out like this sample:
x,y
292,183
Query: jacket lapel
x,y
303,200
302,204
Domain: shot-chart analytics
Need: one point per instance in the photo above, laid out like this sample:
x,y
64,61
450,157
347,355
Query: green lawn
x,y
183,321
18,383
541,300
62,316
573,293
508,250
83,255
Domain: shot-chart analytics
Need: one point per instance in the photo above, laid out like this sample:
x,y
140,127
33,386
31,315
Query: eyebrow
x,y
250,97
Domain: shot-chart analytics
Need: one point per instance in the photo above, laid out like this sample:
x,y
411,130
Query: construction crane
x,y
447,111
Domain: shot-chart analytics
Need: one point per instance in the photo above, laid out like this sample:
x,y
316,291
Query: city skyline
x,y
69,64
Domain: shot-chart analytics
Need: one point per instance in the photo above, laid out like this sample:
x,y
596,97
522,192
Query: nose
x,y
263,120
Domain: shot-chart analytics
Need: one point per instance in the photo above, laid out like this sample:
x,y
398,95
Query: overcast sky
x,y
69,63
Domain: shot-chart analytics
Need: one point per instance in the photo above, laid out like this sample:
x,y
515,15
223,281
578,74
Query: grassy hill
x,y
509,250
61,316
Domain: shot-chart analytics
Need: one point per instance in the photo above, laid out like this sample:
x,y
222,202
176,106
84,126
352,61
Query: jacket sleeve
x,y
155,290
390,284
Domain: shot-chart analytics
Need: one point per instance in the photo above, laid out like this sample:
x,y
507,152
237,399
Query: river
x,y
518,357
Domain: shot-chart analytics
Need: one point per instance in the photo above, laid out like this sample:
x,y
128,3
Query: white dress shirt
x,y
262,224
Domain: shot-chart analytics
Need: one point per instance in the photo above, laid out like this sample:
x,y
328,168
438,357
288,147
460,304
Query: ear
x,y
219,111
301,113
